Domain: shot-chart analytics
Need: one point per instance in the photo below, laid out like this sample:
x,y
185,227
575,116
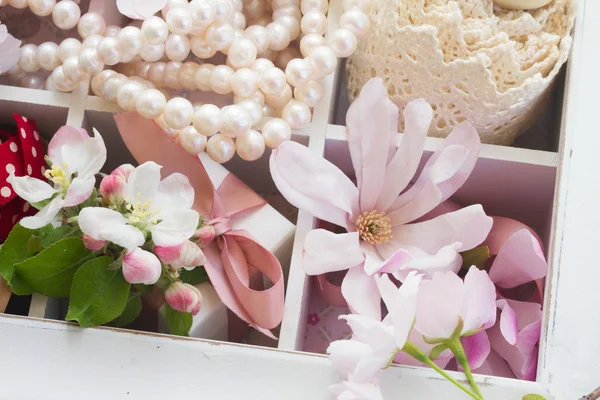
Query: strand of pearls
x,y
267,76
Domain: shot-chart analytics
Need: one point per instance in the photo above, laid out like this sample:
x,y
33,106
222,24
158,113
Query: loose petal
x,y
127,8
45,216
477,348
508,322
494,365
31,189
326,251
147,8
313,184
479,301
360,291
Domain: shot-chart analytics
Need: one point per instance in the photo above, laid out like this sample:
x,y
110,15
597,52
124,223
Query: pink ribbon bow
x,y
235,258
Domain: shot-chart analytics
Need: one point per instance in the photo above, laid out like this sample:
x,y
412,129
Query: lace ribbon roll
x,y
468,59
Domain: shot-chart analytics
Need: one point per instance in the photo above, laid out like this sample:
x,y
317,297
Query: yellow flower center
x,y
374,227
141,213
57,175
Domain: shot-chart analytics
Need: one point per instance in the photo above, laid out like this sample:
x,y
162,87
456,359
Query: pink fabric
x,y
235,258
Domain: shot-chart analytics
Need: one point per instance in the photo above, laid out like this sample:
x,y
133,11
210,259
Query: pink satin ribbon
x,y
235,260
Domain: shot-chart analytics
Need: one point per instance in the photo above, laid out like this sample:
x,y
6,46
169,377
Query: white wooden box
x,y
555,191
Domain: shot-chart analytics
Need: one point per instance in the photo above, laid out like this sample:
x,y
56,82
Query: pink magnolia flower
x,y
140,9
141,267
184,297
349,390
76,158
92,244
184,255
377,212
10,50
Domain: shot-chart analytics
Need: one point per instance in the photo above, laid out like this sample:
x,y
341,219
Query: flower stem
x,y
416,353
457,349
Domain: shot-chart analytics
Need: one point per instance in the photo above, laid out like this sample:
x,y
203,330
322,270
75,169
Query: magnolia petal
x,y
479,301
45,216
313,184
127,8
65,143
372,120
10,50
143,182
519,261
468,226
477,348
360,291
105,224
79,191
509,327
446,259
378,335
177,225
502,230
175,191
326,251
404,164
147,8
93,153
396,261
494,365
31,189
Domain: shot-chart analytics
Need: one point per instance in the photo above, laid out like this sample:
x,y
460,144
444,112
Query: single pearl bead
x,y
292,11
310,94
257,97
296,114
279,100
173,4
144,82
323,61
28,60
220,148
191,141
298,72
127,58
363,5
172,75
156,73
155,30
108,51
99,79
187,76
275,132
224,10
239,21
130,40
61,82
112,86
253,109
33,82
236,121
128,94
261,65
279,36
272,81
92,41
311,5
178,113
203,12
112,31
244,82
310,42
356,22
242,53
72,69
179,20
89,61
314,22
150,104
141,70
66,14
268,111
292,25
259,36
91,23
343,42
220,35
203,75
177,47
250,146
275,4
220,79
47,56
42,8
207,119
68,48
200,48
152,52
172,134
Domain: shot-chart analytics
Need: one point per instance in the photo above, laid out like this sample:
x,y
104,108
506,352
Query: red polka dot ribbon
x,y
21,152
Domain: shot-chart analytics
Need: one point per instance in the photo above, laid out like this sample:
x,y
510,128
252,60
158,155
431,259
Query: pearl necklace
x,y
262,90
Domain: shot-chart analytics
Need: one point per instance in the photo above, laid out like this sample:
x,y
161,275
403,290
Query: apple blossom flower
x,y
10,50
92,244
378,213
186,255
184,297
140,9
111,189
75,160
204,236
141,267
161,209
349,390
123,171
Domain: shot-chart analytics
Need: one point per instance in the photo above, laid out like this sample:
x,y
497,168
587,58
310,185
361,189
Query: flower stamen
x,y
374,227
57,176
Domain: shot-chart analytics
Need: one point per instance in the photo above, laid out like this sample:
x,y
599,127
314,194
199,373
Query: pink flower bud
x,y
93,244
111,189
184,255
123,171
141,266
205,235
184,297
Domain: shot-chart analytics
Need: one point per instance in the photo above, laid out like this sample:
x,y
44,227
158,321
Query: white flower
x,y
158,208
76,158
349,390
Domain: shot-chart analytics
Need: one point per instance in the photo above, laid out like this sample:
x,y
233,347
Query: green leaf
x,y
131,312
437,350
144,288
477,257
533,397
52,235
15,250
51,271
98,295
194,277
179,323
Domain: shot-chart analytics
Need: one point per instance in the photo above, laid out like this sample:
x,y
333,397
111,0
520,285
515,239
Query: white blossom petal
x,y
31,189
45,216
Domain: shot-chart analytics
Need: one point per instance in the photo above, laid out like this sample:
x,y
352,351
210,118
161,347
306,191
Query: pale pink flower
x,y
10,50
204,236
184,255
140,9
184,297
349,390
379,211
92,244
111,189
76,158
141,267
123,171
